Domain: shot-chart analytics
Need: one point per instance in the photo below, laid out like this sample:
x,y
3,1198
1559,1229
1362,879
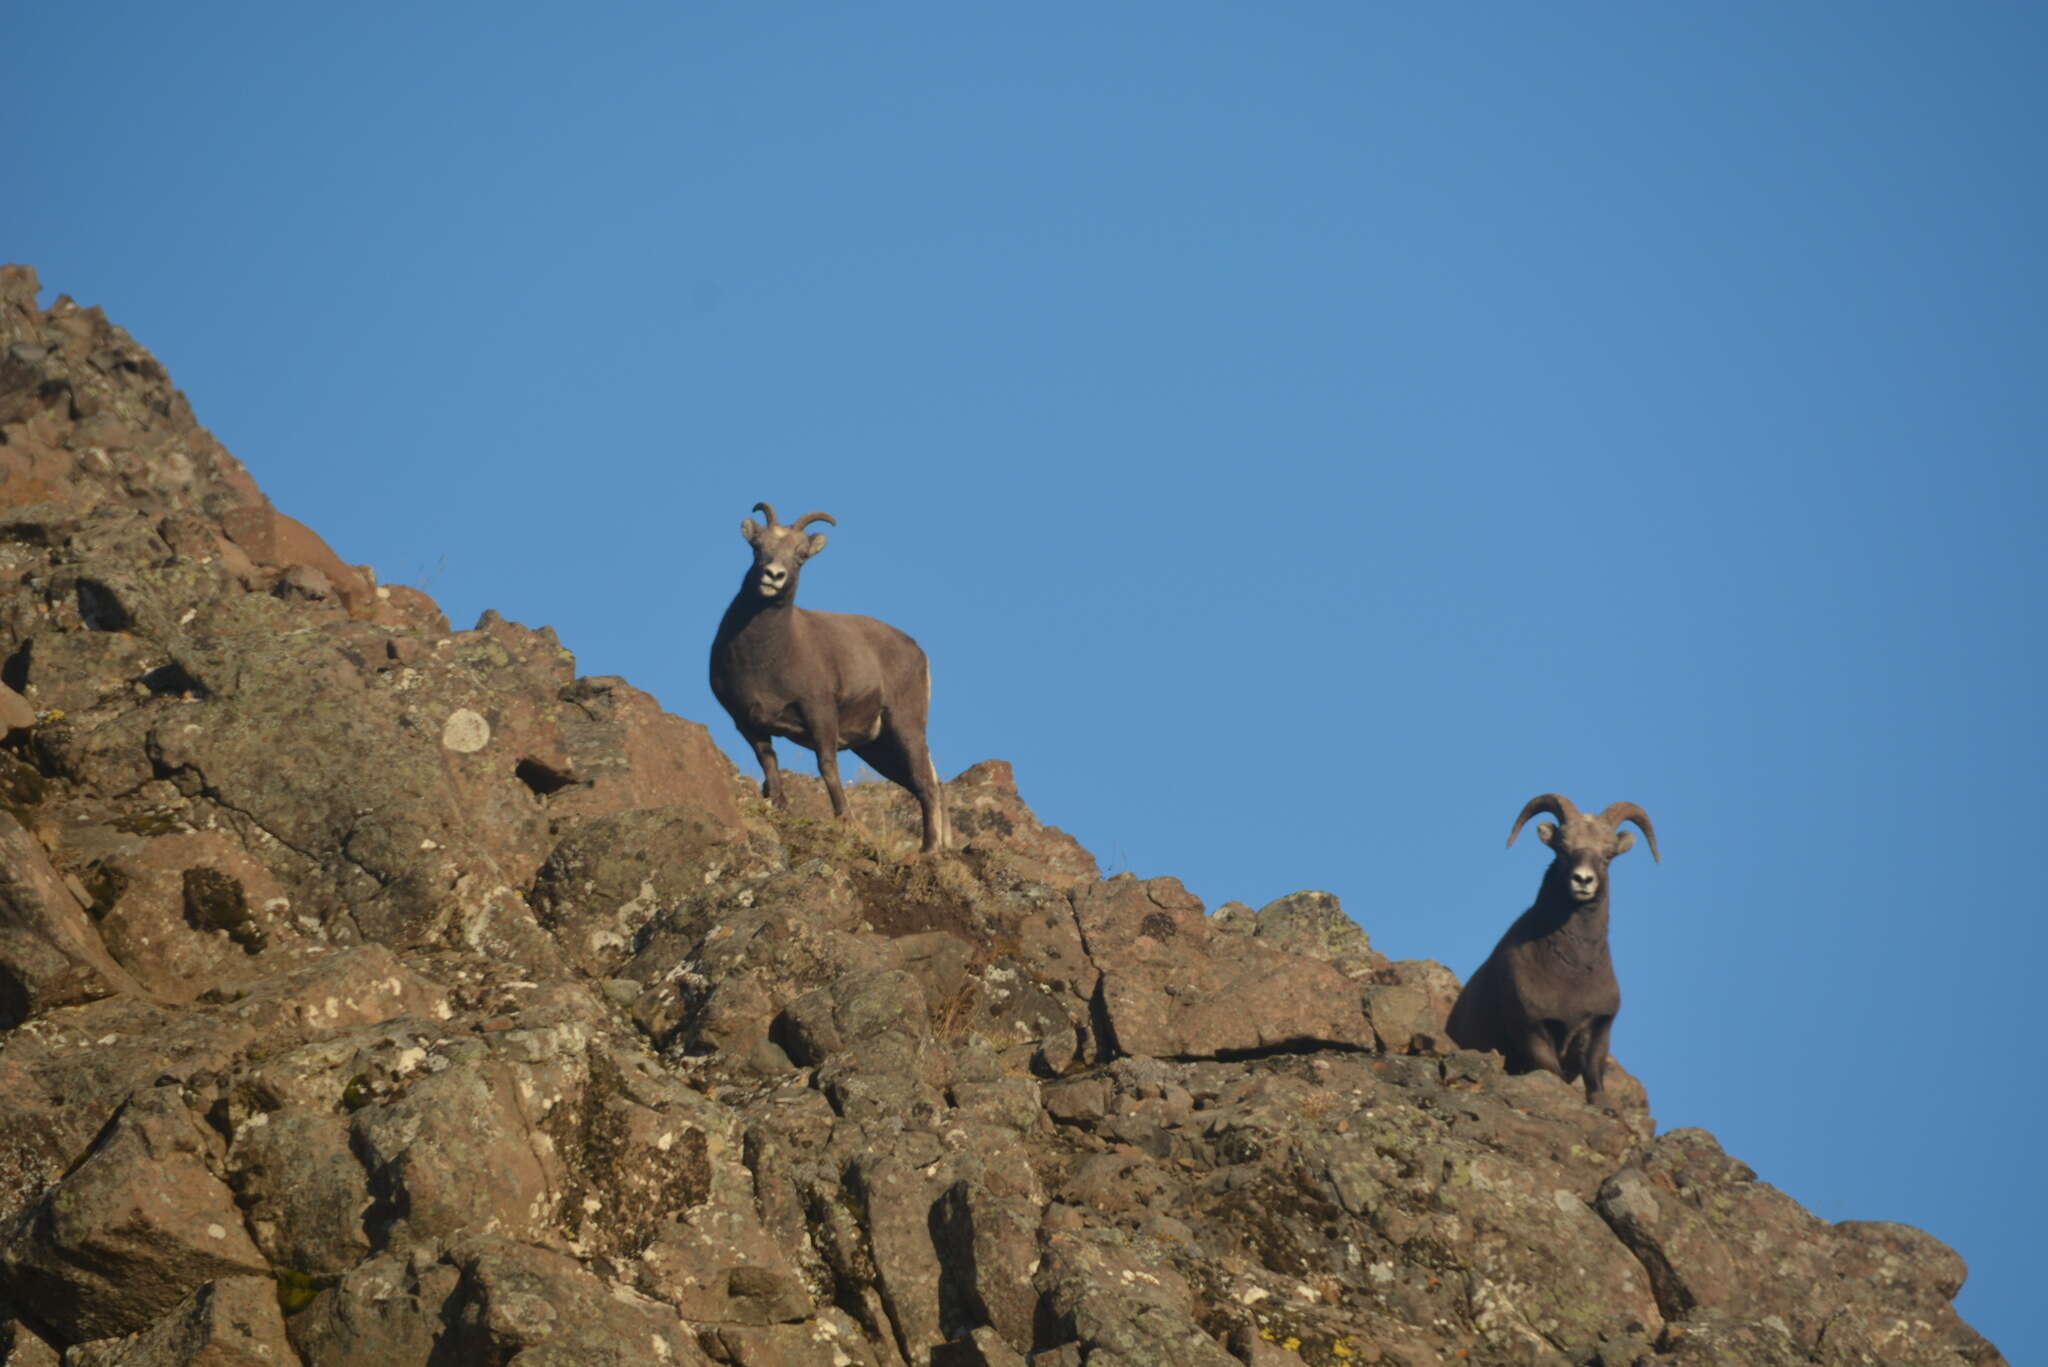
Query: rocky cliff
x,y
377,993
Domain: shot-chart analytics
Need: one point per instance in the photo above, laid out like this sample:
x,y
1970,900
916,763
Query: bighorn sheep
x,y
1547,997
826,680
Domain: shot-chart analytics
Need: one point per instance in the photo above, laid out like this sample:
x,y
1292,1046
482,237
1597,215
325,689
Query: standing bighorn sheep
x,y
1547,997
826,680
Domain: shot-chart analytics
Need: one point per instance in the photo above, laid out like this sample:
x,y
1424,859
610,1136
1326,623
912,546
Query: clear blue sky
x,y
1298,433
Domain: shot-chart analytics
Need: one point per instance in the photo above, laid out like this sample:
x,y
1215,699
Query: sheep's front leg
x,y
1534,1049
771,771
828,768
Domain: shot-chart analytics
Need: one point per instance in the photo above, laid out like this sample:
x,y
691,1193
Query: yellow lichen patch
x,y
296,1289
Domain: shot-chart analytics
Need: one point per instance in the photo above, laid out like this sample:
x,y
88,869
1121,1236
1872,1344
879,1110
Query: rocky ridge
x,y
377,993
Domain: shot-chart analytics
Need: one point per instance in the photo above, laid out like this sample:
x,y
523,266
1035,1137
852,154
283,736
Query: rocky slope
x,y
376,993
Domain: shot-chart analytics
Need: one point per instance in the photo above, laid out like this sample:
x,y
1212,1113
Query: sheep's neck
x,y
1575,932
749,608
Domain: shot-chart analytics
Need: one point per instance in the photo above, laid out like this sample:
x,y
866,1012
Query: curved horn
x,y
808,518
1557,804
767,508
1618,812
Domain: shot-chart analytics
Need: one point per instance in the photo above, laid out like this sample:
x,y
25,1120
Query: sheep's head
x,y
779,551
1584,844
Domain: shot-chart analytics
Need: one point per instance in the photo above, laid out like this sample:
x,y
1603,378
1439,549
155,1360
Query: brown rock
x,y
15,712
869,1011
897,1202
233,1322
186,911
50,954
723,1271
384,1311
1856,1292
133,1230
831,1340
1173,988
424,1149
982,1347
517,1302
406,609
611,874
1311,924
633,754
21,1346
271,539
987,814
302,1188
988,1247
1409,1003
1101,1293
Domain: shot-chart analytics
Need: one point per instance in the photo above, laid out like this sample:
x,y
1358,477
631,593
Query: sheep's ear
x,y
1547,833
817,544
1623,843
750,529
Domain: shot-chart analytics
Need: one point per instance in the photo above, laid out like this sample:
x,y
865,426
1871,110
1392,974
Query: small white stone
x,y
465,732
216,1232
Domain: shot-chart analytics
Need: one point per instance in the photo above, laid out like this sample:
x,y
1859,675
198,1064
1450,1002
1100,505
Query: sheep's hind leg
x,y
910,767
904,726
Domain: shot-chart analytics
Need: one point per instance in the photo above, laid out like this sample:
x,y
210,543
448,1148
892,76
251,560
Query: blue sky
x,y
1298,434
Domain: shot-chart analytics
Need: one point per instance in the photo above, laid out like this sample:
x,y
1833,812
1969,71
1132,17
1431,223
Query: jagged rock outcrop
x,y
377,993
